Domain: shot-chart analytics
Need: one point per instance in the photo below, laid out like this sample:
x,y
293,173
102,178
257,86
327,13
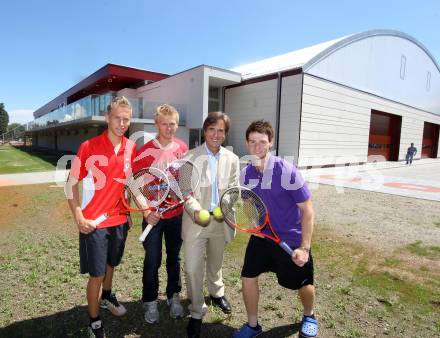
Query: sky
x,y
47,46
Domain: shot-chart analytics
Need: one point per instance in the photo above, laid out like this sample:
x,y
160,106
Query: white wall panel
x,y
184,90
290,116
248,103
335,123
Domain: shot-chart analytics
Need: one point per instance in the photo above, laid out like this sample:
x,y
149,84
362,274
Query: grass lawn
x,y
360,291
14,160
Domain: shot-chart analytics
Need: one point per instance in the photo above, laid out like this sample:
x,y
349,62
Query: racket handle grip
x,y
100,219
286,248
145,233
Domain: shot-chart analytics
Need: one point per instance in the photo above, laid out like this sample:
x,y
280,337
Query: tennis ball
x,y
204,215
217,212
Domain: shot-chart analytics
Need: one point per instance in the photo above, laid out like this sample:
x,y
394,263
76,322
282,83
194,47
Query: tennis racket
x,y
244,210
183,177
144,190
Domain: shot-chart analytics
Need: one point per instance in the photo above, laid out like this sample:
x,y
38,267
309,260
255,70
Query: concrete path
x,y
58,177
419,180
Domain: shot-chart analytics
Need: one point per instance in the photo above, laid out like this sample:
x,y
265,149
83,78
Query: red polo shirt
x,y
103,173
153,154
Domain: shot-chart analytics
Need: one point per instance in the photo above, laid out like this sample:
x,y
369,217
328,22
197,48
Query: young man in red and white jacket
x,y
102,163
159,153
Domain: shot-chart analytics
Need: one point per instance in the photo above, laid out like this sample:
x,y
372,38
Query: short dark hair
x,y
262,127
213,117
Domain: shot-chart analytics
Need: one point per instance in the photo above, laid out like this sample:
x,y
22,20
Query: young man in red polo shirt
x,y
158,153
102,163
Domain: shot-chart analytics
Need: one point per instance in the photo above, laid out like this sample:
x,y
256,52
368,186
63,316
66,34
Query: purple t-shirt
x,y
281,186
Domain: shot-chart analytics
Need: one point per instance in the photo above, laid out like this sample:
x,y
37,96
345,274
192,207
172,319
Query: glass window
x,y
428,81
402,66
214,99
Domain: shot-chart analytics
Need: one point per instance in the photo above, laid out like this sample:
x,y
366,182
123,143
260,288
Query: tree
x,y
16,127
15,131
4,119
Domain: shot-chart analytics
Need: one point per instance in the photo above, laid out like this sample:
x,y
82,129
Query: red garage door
x,y
384,136
430,140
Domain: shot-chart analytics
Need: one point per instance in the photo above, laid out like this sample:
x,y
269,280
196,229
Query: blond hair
x,y
166,110
119,101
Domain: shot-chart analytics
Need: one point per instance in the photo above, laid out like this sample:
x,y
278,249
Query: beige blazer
x,y
228,173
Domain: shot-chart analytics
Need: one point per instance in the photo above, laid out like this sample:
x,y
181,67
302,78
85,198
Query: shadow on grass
x,y
282,331
73,322
47,155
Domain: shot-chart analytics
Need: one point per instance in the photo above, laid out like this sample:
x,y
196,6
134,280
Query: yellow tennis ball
x,y
217,212
204,215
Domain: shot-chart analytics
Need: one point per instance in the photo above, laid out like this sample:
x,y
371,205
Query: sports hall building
x,y
348,100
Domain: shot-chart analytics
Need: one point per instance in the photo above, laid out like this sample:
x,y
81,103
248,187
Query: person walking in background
x,y
410,153
159,152
291,214
103,163
204,242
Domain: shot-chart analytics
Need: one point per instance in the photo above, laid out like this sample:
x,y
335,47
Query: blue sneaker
x,y
309,327
247,332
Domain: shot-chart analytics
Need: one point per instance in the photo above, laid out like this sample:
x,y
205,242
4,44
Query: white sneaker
x,y
176,309
112,304
151,312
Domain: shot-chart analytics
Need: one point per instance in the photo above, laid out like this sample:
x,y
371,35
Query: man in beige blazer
x,y
219,169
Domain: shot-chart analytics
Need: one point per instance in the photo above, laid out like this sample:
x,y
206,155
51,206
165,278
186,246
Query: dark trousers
x,y
409,158
171,228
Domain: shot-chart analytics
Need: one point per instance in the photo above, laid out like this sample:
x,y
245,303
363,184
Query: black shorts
x,y
263,255
101,247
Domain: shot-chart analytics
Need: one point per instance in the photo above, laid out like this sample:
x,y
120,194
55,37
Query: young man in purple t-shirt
x,y
282,188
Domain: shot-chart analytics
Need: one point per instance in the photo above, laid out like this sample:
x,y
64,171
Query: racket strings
x,y
243,208
147,188
183,177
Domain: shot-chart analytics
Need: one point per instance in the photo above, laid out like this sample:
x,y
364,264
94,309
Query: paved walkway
x,y
419,180
58,177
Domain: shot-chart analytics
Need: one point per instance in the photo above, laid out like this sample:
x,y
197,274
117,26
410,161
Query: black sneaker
x,y
96,330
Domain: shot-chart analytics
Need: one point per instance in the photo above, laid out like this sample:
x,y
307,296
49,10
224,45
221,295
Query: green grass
x,y
14,160
392,262
382,276
237,246
43,293
421,250
364,286
392,289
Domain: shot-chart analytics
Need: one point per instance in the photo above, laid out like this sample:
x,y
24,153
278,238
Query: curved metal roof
x,y
343,42
291,60
386,63
307,57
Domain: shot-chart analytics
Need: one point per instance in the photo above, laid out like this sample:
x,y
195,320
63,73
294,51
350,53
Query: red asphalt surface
x,y
421,179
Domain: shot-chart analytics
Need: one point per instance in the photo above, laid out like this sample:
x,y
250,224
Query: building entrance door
x,y
384,139
430,140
